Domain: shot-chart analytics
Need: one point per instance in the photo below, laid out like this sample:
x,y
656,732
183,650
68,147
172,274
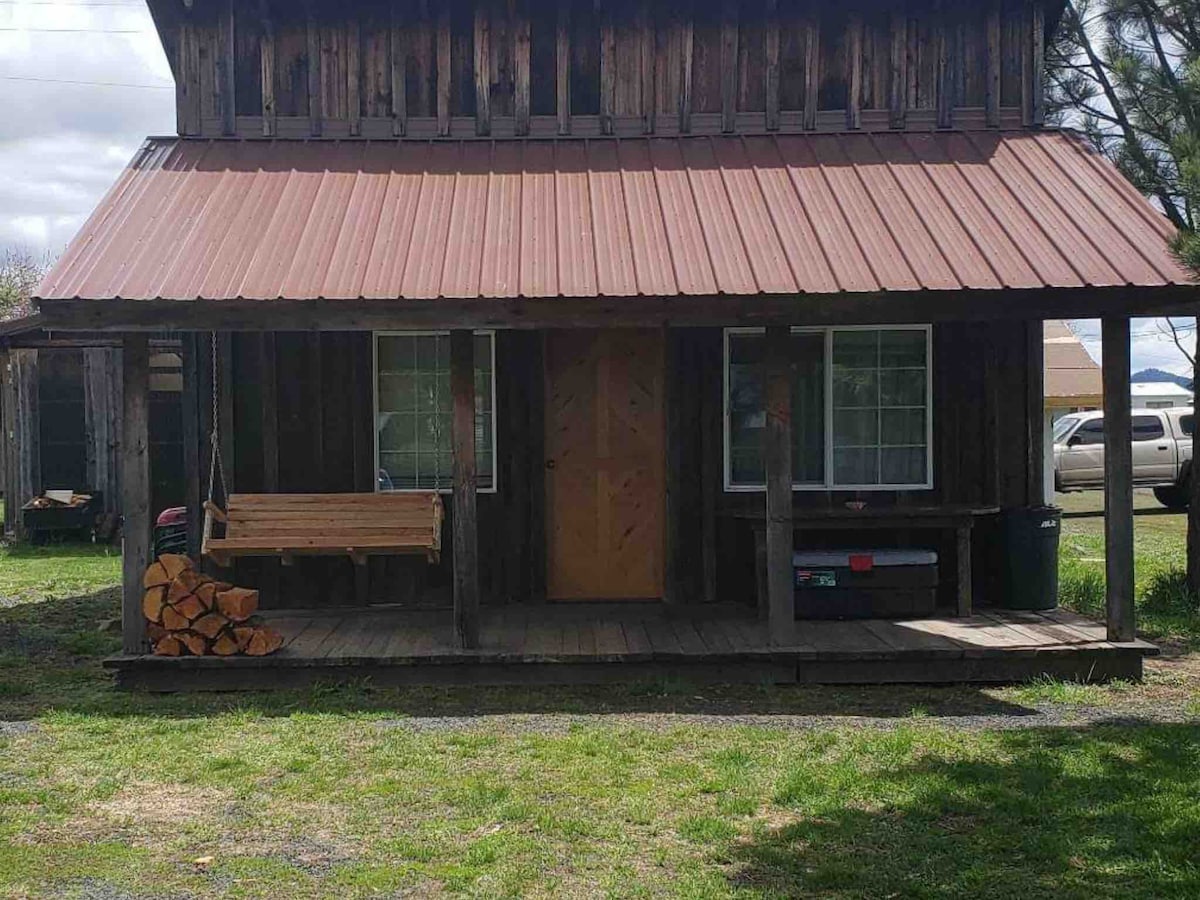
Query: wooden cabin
x,y
651,295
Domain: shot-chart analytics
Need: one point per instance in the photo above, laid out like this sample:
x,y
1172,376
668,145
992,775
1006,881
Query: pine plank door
x,y
605,464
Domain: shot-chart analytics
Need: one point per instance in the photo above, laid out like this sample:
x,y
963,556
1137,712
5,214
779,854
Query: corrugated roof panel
x,y
802,250
837,239
647,231
464,247
637,216
539,243
751,213
501,273
685,236
726,246
906,227
615,275
573,222
990,193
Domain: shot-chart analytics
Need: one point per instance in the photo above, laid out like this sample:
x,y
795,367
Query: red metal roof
x,y
653,216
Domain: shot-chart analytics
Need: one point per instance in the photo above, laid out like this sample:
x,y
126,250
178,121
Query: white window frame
x,y
491,336
829,484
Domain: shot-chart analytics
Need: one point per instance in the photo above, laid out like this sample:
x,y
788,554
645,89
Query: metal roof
x,y
605,217
1071,375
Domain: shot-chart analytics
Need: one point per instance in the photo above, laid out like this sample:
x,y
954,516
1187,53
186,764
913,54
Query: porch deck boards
x,y
590,643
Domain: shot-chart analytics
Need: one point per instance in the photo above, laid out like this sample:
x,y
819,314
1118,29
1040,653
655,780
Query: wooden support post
x,y
354,76
483,68
812,66
269,416
1118,479
1035,403
686,41
854,71
135,489
466,535
521,75
674,438
193,477
267,76
315,107
898,71
771,69
399,48
781,604
964,578
562,67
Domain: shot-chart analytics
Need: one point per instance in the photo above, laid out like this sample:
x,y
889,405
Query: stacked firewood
x,y
189,613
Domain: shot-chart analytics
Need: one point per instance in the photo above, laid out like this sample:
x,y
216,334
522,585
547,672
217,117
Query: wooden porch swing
x,y
290,525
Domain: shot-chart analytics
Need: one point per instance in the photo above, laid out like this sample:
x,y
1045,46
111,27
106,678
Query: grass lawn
x,y
627,792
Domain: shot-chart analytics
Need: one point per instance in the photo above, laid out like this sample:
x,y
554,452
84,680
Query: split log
x,y
155,632
195,643
176,591
191,607
265,641
173,621
225,645
242,635
168,646
238,604
174,563
155,576
210,624
191,579
153,602
207,594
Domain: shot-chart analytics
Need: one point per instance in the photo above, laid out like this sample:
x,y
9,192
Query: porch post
x,y
466,537
777,452
135,488
1118,480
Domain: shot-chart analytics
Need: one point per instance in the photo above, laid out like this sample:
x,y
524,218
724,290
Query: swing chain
x,y
216,469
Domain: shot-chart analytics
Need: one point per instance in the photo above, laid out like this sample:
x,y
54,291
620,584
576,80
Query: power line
x,y
75,30
120,84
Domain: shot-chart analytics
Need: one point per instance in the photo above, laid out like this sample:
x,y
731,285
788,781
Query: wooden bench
x,y
354,525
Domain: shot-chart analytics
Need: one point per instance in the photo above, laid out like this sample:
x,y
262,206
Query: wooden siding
x,y
303,424
394,68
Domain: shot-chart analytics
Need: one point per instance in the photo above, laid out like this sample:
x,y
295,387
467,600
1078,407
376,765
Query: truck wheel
x,y
1172,496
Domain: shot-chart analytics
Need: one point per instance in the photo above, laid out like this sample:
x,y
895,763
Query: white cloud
x,y
1151,345
63,145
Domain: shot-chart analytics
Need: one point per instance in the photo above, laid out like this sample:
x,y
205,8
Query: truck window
x,y
1090,432
1187,424
1147,428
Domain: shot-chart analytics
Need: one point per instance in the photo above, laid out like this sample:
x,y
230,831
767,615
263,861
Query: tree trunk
x,y
1193,489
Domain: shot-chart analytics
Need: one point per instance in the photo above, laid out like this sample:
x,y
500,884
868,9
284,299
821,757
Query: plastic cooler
x,y
864,584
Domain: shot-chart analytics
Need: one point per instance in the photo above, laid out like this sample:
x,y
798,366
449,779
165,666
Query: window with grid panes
x,y
414,412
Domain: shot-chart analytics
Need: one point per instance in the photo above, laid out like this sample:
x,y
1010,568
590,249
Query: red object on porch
x,y
861,562
644,216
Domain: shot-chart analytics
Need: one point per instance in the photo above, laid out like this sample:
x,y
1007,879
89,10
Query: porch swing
x,y
290,525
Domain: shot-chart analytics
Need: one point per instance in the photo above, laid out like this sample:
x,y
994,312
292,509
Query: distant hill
x,y
1158,375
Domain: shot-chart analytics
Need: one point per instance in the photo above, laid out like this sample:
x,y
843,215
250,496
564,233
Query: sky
x,y
83,82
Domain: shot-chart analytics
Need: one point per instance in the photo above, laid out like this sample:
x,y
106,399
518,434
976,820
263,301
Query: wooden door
x,y
605,465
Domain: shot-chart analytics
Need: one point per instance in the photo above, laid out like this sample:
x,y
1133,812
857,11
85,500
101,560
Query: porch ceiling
x,y
655,217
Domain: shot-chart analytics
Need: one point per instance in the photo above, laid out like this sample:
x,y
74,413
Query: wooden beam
x,y
135,489
729,65
945,80
521,75
226,54
608,71
399,58
1118,479
1035,404
483,69
771,66
898,71
562,67
992,79
854,71
354,77
686,41
465,523
812,66
443,71
646,32
777,452
267,77
315,104
187,84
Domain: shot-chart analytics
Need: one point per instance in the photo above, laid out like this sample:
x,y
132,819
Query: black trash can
x,y
1030,545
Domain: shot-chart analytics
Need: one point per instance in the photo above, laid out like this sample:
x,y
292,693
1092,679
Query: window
x,y
414,412
1187,424
860,408
1147,428
1090,432
1062,427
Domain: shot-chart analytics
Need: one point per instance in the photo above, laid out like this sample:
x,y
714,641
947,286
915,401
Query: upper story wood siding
x,y
396,68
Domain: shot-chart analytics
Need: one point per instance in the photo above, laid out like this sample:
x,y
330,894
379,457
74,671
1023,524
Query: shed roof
x,y
818,214
1072,377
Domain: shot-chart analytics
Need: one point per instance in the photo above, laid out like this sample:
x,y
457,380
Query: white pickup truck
x,y
1162,452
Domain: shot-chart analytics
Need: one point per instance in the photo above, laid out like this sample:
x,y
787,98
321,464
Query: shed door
x,y
605,467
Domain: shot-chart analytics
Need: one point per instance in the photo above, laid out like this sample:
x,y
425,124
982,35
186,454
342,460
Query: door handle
x,y
1162,446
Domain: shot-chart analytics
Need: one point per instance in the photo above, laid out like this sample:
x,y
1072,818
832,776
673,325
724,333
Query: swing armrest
x,y
217,512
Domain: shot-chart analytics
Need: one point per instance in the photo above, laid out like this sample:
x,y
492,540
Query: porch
x,y
595,643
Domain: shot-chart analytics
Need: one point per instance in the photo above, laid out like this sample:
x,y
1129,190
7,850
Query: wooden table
x,y
960,519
